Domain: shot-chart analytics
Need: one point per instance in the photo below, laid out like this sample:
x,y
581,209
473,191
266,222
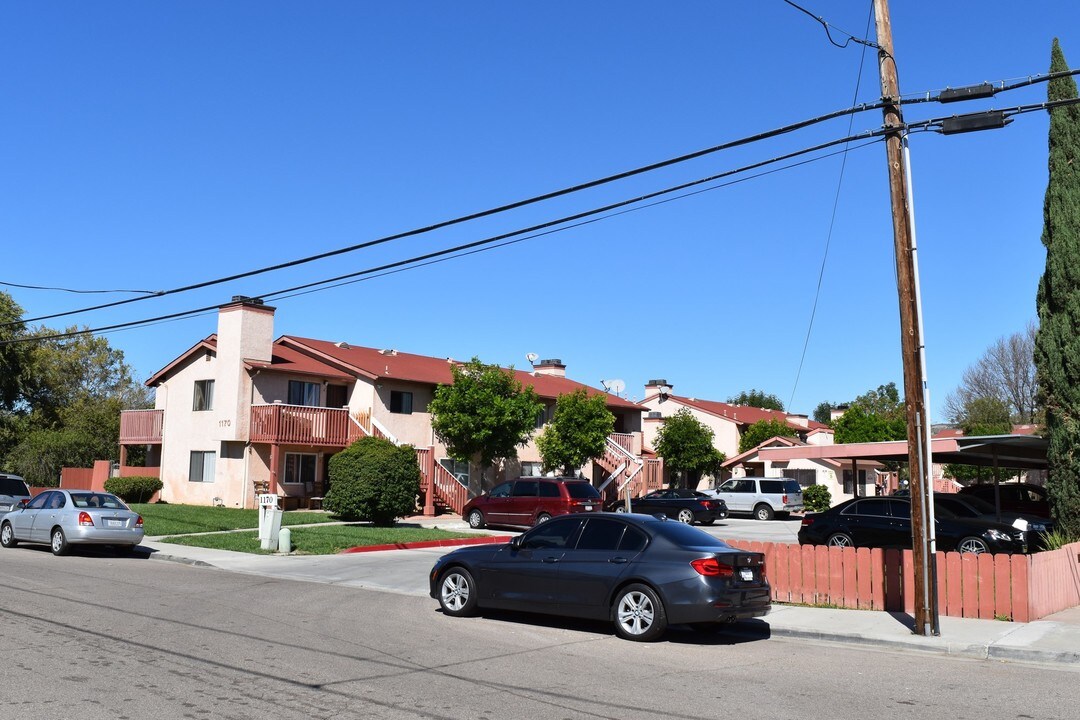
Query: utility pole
x,y
919,460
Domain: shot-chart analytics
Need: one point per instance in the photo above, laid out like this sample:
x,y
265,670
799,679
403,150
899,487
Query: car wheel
x,y
973,545
763,512
476,519
639,614
685,516
620,508
542,518
457,592
59,542
840,540
7,536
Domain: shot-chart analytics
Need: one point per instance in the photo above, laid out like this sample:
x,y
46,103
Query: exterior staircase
x,y
626,470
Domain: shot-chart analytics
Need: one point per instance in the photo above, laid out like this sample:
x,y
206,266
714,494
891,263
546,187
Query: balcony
x,y
141,427
301,425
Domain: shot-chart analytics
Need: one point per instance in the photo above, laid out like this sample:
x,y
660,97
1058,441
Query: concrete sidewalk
x,y
1054,640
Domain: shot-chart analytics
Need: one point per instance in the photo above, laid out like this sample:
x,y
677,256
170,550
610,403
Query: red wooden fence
x,y
1018,587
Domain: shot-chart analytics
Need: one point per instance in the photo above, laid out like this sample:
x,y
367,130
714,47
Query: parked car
x,y
13,490
1017,497
885,522
687,506
970,506
639,571
764,498
530,501
62,518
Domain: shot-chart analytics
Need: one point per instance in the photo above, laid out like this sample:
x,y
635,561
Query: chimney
x,y
245,332
837,411
802,421
553,366
660,387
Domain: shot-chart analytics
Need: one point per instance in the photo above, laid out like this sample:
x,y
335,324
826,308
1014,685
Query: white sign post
x,y
269,521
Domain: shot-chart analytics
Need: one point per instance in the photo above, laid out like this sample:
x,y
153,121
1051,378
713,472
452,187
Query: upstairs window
x,y
304,393
401,402
204,395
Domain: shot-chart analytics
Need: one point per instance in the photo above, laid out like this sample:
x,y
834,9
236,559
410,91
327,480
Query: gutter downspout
x,y
247,444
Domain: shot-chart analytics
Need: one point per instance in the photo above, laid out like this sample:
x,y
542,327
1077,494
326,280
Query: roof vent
x,y
343,345
388,352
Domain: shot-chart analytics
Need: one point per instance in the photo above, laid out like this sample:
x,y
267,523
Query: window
x,y
204,395
633,540
601,534
552,534
525,488
532,469
39,502
804,476
401,402
202,466
304,393
847,481
549,489
544,416
457,468
501,490
299,468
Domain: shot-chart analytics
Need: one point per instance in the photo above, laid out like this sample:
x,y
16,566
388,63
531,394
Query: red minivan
x,y
530,501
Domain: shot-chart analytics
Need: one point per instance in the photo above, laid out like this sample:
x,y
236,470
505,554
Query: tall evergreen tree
x,y
1057,344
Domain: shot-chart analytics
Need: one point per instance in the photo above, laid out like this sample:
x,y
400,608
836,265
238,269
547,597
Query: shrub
x,y
375,480
817,498
137,489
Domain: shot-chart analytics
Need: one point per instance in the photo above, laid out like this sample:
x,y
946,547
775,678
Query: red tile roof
x,y
745,415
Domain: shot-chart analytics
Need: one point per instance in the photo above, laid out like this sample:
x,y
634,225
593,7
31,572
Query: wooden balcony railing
x,y
301,425
141,427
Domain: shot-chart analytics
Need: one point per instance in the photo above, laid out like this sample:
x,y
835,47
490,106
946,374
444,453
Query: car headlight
x,y
998,535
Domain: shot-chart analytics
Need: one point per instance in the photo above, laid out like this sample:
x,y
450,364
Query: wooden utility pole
x,y
919,466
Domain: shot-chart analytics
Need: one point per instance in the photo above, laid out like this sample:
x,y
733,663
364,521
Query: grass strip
x,y
327,540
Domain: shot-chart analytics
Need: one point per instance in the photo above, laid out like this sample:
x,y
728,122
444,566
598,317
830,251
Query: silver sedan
x,y
61,518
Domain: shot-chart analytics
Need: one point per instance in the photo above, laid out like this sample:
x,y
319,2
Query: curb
x,y
422,544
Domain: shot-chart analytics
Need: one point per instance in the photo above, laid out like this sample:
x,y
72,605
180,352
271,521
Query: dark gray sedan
x,y
639,571
61,518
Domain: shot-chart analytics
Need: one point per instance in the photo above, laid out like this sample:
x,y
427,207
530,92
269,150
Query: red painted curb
x,y
487,540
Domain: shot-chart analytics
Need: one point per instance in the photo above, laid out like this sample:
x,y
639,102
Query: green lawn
x,y
166,519
325,540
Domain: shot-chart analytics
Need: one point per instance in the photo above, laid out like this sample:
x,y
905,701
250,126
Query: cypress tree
x,y
1057,344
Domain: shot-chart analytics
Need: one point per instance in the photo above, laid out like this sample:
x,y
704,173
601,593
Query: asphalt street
x,y
93,636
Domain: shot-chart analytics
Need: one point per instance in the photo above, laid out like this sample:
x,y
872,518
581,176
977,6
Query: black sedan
x,y
640,572
687,506
881,522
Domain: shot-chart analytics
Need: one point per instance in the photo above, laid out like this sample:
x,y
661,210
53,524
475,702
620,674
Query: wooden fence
x,y
1017,587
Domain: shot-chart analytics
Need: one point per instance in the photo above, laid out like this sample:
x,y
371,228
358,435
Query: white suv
x,y
12,490
764,498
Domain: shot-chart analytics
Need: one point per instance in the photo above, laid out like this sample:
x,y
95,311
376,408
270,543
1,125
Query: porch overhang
x,y
1026,452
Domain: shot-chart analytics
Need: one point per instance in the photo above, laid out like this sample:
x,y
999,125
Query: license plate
x,y
115,523
588,507
746,574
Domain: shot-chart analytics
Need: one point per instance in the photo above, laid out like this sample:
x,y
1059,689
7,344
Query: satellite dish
x,y
615,386
531,357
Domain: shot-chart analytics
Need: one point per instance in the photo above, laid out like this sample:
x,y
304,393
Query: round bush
x,y
817,498
137,489
375,480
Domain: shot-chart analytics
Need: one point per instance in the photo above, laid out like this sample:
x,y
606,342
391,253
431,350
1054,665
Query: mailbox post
x,y
269,521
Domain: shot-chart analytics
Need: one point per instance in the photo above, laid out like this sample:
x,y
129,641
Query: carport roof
x,y
1010,451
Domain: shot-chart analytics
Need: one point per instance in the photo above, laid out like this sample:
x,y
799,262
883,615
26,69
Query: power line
x,y
850,38
83,292
481,214
832,221
870,134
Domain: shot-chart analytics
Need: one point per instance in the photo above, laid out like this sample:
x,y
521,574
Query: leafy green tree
x,y
686,444
817,498
884,402
1057,343
762,430
757,398
13,356
485,415
823,412
577,432
858,425
373,479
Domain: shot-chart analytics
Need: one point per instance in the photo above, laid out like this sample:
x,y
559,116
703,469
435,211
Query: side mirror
x,y
515,542
24,502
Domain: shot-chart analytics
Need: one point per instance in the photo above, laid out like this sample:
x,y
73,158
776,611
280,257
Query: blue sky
x,y
154,145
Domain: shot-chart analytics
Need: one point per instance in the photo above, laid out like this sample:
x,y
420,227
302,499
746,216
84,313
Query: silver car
x,y
61,518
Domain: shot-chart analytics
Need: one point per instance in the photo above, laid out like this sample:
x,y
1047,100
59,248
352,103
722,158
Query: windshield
x,y
581,491
97,500
13,486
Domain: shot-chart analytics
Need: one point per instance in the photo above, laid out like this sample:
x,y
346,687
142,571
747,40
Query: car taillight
x,y
85,519
712,567
138,522
783,499
807,521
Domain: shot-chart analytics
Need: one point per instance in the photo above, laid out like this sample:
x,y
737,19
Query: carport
x,y
1024,452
